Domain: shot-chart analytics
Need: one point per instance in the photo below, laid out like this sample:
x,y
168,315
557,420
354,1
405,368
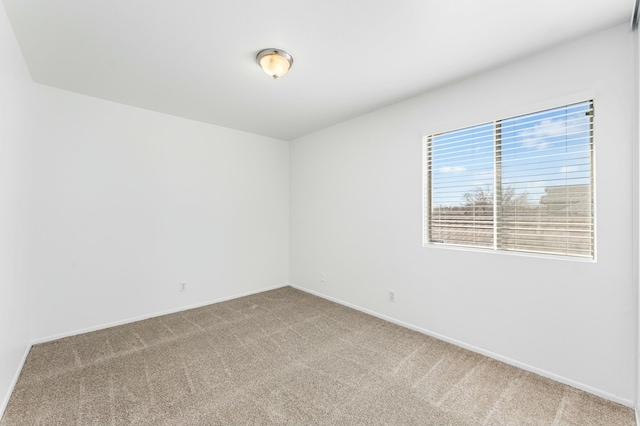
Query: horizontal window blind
x,y
460,165
522,184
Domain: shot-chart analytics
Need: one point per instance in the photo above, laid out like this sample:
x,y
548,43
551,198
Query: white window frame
x,y
426,216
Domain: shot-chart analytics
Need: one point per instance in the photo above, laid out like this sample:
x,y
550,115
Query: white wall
x,y
105,209
130,203
356,215
14,104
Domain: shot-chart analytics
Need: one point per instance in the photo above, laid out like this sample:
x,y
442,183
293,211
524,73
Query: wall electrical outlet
x,y
183,287
323,277
392,296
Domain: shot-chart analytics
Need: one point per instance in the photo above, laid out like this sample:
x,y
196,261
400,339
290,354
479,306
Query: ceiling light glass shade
x,y
274,62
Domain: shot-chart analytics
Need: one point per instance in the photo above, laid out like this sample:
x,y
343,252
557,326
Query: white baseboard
x,y
151,315
476,349
5,401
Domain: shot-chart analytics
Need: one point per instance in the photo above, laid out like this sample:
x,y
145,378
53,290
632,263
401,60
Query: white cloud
x,y
569,169
535,137
535,143
453,169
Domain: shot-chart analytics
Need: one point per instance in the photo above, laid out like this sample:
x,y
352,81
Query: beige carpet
x,y
284,357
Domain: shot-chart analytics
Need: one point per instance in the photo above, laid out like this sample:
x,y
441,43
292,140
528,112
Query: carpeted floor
x,y
284,357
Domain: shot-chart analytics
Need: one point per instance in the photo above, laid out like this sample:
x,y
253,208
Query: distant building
x,y
567,199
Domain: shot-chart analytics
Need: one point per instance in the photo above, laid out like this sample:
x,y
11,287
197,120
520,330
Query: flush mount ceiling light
x,y
274,62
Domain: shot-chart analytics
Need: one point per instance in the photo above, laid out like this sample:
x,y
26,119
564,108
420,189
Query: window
x,y
519,184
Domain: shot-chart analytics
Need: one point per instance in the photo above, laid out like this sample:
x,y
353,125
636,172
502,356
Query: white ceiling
x,y
196,58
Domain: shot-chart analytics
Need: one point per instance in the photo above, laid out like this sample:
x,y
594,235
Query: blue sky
x,y
548,148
